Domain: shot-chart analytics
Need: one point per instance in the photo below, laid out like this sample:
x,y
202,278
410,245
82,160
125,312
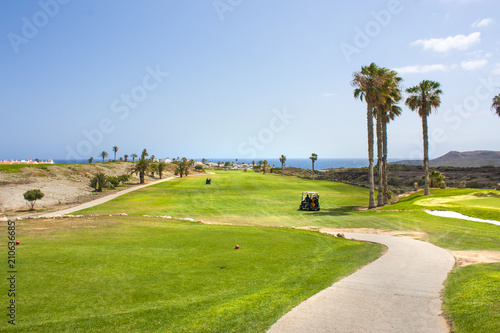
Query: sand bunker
x,y
455,215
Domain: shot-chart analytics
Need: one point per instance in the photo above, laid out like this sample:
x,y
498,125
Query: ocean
x,y
305,163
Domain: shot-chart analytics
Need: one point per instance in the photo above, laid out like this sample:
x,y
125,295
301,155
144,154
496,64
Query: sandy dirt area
x,y
63,185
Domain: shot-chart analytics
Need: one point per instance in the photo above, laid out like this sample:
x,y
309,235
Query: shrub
x,y
124,178
32,196
394,181
113,181
99,182
474,184
198,167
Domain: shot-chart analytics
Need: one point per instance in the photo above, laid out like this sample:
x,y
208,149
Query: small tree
x,y
282,160
313,158
91,159
103,155
134,156
99,182
115,149
32,196
126,157
161,167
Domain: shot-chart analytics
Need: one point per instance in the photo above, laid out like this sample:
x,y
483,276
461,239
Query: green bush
x,y
113,181
98,182
124,178
32,196
198,167
474,184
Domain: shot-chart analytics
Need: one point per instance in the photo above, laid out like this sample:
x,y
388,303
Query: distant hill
x,y
474,158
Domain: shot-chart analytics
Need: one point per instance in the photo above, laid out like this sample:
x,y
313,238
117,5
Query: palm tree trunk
x,y
313,168
384,161
380,199
141,177
426,154
371,182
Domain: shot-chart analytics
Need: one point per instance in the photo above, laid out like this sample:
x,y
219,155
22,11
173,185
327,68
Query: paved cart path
x,y
103,199
399,292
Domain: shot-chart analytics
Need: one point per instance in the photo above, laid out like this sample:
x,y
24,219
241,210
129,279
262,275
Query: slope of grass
x,y
273,200
483,204
124,274
472,298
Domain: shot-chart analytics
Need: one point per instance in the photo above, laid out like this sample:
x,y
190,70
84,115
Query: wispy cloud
x,y
473,64
482,23
460,42
420,69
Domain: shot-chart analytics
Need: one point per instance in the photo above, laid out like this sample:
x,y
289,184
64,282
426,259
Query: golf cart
x,y
310,201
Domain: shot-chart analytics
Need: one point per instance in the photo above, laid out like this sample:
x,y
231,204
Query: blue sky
x,y
239,78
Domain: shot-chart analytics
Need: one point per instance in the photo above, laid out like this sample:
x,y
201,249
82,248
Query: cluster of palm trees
x,y
145,165
380,88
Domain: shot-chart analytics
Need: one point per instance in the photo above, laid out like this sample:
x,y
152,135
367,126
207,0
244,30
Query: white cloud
x,y
473,64
460,42
482,23
420,69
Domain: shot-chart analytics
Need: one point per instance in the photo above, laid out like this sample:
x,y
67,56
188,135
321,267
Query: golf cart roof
x,y
307,192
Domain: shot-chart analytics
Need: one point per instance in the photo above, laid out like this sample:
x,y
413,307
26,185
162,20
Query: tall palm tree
x,y
103,155
134,156
386,110
495,106
423,98
115,149
282,160
367,87
313,159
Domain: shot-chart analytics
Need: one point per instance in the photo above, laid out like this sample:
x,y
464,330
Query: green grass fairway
x,y
136,274
273,200
483,204
472,298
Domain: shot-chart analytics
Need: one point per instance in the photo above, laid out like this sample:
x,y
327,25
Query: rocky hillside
x,y
476,158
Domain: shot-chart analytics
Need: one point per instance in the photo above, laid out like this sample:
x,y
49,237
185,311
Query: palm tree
x,y
423,98
313,158
134,156
103,155
161,167
386,110
141,167
265,163
91,159
282,160
144,154
253,163
367,83
126,157
115,149
394,111
495,106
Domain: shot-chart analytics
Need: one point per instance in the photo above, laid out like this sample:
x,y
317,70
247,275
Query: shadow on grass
x,y
339,211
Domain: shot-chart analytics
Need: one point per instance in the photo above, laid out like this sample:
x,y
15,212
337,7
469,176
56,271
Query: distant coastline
x,y
304,163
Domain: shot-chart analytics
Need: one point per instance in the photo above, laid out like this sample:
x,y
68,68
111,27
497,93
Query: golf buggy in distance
x,y
310,201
